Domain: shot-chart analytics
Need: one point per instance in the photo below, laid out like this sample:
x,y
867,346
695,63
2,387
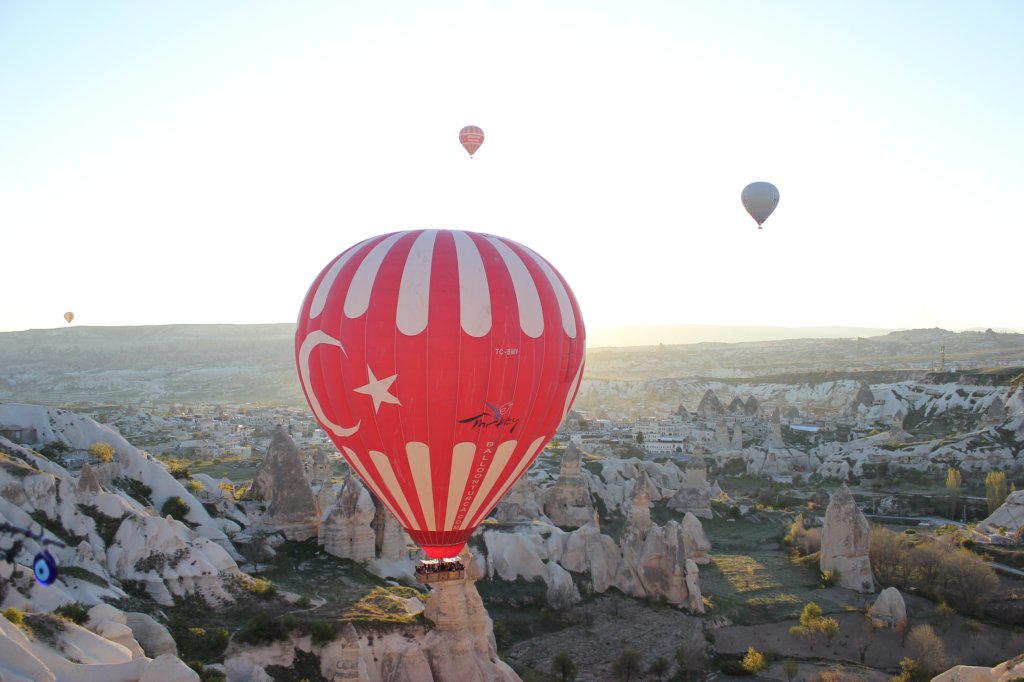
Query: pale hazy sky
x,y
202,161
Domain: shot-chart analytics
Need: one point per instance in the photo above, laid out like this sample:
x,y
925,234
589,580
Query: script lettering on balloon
x,y
496,417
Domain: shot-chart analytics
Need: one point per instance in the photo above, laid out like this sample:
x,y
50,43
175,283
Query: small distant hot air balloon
x,y
471,138
440,363
68,316
760,199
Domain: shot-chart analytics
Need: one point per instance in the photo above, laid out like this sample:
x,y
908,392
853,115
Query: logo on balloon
x,y
493,417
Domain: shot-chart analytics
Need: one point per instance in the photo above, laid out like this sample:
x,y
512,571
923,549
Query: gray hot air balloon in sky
x,y
760,199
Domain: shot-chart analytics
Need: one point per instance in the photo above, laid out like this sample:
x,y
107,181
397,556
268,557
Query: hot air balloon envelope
x,y
760,199
440,363
68,317
471,138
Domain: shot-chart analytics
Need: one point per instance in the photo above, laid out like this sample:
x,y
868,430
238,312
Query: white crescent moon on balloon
x,y
314,339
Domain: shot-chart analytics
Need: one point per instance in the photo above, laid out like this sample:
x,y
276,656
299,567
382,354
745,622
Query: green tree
x,y
563,667
659,668
995,489
55,450
627,665
176,508
812,622
103,452
640,438
754,661
929,649
954,482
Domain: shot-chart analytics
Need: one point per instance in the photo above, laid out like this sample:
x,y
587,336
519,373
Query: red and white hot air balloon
x,y
440,363
471,138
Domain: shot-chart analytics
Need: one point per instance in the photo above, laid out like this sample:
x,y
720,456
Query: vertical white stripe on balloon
x,y
501,457
324,288
419,465
390,481
572,393
474,293
414,291
526,460
357,299
531,315
353,459
564,304
462,460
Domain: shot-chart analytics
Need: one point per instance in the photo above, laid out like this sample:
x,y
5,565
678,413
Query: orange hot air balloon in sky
x,y
471,138
440,363
68,316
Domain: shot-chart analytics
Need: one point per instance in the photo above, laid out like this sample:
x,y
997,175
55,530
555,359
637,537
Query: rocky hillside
x,y
255,363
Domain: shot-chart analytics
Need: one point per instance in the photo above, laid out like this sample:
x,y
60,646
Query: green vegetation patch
x,y
744,573
138,490
82,574
56,528
382,605
106,526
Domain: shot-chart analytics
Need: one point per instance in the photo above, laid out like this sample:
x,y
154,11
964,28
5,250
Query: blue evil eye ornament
x,y
45,567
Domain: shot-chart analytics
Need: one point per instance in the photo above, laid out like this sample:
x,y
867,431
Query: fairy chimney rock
x,y
88,484
346,530
281,482
846,542
889,610
567,502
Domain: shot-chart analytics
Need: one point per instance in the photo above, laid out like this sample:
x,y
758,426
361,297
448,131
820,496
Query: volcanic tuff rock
x,y
321,470
105,650
567,503
281,482
693,494
1012,669
846,543
890,609
710,404
1009,515
346,530
169,558
520,504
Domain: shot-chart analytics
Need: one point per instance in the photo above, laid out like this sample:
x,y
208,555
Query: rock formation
x,y
694,494
567,503
391,540
775,439
169,559
281,483
461,646
520,503
321,470
104,650
350,667
1008,671
721,435
346,529
88,485
846,543
654,561
709,404
889,610
752,407
1009,515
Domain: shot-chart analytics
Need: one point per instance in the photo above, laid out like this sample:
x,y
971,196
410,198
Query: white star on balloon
x,y
379,389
